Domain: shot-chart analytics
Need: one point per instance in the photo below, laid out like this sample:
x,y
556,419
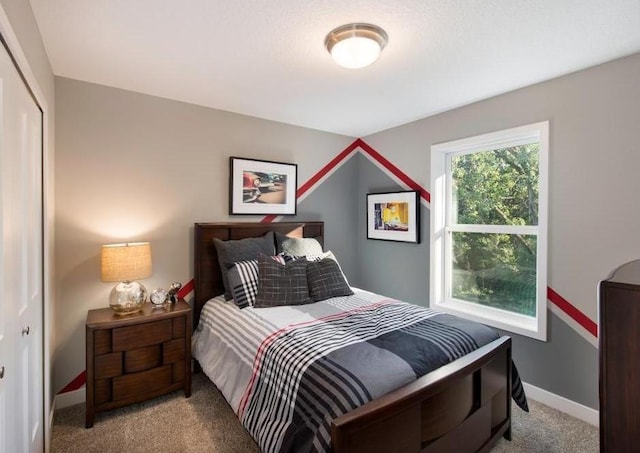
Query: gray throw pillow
x,y
298,246
234,251
325,280
280,284
327,254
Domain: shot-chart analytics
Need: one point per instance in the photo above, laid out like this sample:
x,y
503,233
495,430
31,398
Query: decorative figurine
x,y
173,292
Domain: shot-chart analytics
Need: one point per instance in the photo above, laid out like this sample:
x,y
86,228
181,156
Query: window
x,y
489,228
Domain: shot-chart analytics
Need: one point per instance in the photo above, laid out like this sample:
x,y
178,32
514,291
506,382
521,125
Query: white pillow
x,y
301,246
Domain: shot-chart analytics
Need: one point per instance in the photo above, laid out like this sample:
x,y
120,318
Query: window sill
x,y
495,317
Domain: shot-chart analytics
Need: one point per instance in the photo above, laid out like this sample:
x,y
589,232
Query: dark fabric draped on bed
x,y
307,375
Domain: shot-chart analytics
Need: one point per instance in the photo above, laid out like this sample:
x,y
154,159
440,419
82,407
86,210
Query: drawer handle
x,y
25,331
1,372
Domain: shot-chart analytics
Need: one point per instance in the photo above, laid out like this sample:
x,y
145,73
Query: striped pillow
x,y
243,280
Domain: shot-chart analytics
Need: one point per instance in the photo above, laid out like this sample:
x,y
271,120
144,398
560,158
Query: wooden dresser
x,y
136,357
620,360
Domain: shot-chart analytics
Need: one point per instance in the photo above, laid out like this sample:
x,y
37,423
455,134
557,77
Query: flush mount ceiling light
x,y
355,46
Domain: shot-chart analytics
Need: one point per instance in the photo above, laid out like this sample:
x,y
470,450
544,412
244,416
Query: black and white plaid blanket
x,y
337,357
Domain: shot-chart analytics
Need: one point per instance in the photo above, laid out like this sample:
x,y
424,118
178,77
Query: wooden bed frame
x,y
464,406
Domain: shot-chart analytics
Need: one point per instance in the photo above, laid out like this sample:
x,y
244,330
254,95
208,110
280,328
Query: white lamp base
x,y
127,297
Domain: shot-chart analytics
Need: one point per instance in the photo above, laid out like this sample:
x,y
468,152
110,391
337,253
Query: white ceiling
x,y
267,58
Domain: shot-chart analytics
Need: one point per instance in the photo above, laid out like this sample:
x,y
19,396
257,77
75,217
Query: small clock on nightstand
x,y
159,297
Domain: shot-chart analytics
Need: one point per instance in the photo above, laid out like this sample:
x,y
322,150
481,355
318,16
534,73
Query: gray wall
x,y
566,364
593,221
335,203
137,167
394,269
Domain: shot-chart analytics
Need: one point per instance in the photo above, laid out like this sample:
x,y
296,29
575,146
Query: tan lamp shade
x,y
126,262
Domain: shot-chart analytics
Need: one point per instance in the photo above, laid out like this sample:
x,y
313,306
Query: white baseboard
x,y
562,404
71,398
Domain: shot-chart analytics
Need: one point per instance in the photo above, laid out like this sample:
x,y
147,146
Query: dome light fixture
x,y
356,45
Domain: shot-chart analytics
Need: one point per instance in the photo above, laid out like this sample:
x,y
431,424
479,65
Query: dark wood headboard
x,y
208,279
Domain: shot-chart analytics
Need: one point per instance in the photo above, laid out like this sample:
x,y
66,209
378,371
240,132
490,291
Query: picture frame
x,y
394,216
262,187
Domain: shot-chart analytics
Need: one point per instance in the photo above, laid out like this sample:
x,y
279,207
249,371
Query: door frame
x,y
48,303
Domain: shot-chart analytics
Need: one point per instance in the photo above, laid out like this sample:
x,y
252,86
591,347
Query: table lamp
x,y
125,263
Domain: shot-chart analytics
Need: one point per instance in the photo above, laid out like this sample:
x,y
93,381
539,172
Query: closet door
x,y
21,276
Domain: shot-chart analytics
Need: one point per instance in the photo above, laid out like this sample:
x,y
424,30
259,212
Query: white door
x,y
21,277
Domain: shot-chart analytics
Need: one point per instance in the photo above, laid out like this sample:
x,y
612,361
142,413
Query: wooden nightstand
x,y
136,357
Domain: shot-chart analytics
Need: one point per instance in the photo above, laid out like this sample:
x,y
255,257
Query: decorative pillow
x,y
321,256
311,257
280,284
298,246
325,280
234,251
243,280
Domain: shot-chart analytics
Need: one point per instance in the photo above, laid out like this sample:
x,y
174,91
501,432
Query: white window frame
x,y
441,228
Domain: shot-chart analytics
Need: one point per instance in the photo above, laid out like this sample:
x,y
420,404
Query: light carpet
x,y
205,423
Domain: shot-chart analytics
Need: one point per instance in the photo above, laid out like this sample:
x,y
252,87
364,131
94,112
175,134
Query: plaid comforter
x,y
289,371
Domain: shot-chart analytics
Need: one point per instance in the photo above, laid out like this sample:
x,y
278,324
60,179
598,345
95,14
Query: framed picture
x,y
262,187
394,216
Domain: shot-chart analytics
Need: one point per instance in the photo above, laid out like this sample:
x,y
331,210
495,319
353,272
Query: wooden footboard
x,y
464,406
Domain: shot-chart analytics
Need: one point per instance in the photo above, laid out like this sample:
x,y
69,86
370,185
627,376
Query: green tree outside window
x,y
496,187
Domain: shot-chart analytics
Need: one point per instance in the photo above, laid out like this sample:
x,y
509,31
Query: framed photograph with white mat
x,y
262,187
394,216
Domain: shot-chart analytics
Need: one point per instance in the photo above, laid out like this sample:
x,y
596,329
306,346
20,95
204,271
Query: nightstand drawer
x,y
141,335
102,342
136,384
108,365
178,371
142,358
173,351
102,391
179,327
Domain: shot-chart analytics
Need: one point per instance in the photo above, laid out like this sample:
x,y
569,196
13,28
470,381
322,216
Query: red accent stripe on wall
x,y
394,170
186,289
327,168
319,175
77,382
575,314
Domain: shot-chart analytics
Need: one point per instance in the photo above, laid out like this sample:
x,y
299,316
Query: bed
x,y
462,406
